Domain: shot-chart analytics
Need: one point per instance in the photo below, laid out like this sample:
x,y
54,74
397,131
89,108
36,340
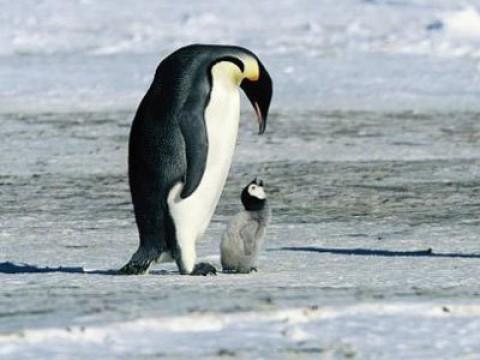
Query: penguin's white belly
x,y
193,214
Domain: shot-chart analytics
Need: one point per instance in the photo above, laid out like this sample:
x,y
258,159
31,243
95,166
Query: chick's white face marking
x,y
256,191
193,214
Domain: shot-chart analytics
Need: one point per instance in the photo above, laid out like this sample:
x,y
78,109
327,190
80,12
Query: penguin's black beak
x,y
259,92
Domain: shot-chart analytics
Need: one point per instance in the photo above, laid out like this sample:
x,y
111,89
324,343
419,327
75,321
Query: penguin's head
x,y
257,85
247,71
238,66
253,196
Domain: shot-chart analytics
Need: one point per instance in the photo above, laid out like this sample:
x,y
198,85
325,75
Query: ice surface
x,y
364,189
371,158
288,333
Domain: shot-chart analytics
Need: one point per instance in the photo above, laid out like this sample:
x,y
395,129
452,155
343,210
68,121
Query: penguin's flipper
x,y
196,149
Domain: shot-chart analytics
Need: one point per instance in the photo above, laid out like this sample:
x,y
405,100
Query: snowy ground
x,y
371,159
350,54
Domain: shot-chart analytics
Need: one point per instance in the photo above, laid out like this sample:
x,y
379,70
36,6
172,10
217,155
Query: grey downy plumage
x,y
243,238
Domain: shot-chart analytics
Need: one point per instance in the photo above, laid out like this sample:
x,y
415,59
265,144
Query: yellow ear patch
x,y
252,70
228,70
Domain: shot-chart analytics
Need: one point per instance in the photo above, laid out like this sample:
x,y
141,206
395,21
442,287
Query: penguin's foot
x,y
135,268
246,270
204,269
229,271
140,261
239,270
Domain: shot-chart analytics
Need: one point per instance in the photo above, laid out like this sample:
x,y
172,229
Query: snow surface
x,y
371,161
351,54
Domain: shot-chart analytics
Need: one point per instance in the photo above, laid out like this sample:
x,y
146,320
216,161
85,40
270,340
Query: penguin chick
x,y
242,240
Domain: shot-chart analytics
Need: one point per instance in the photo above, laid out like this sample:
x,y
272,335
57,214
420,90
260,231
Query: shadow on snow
x,y
12,268
377,252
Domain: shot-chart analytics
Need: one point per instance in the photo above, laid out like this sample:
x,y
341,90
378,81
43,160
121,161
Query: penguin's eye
x,y
253,187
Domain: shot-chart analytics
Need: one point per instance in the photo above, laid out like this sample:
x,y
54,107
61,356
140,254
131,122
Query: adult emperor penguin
x,y
181,146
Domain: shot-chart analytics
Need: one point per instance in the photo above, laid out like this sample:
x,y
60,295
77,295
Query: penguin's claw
x,y
239,270
134,268
204,269
140,261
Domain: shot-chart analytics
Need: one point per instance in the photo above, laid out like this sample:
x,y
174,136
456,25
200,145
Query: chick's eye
x,y
253,187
